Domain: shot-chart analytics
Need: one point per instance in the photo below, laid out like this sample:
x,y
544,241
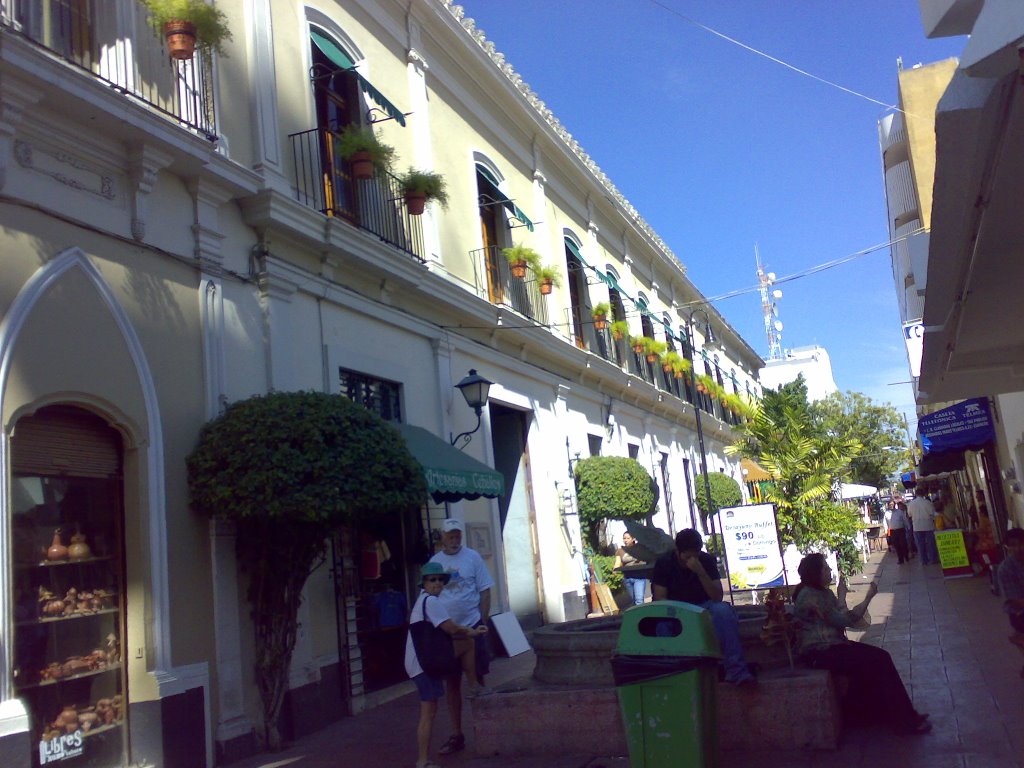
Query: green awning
x,y
341,60
500,198
451,475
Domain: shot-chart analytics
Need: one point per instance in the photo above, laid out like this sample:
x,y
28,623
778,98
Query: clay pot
x,y
600,322
415,202
79,550
361,165
57,550
546,284
181,39
517,268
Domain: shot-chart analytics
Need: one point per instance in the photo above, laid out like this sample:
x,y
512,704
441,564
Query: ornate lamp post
x,y
474,388
710,343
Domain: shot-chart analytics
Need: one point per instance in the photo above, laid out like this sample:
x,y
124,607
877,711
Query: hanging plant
x,y
187,25
520,258
364,151
654,349
548,277
669,360
420,187
601,312
620,330
681,368
704,384
639,343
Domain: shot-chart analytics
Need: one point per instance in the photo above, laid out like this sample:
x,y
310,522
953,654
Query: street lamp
x,y
474,388
710,343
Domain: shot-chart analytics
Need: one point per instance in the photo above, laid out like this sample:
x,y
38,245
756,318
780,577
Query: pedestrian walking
x,y
625,560
922,515
896,523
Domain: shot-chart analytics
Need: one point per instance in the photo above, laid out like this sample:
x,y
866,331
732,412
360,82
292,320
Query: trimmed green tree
x,y
725,492
612,488
289,468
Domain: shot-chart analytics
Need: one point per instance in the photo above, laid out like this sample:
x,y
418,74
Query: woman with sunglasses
x,y
431,689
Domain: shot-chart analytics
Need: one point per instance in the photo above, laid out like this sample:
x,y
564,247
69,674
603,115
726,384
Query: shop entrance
x,y
69,597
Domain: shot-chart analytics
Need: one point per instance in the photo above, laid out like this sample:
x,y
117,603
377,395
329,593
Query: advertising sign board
x,y
752,550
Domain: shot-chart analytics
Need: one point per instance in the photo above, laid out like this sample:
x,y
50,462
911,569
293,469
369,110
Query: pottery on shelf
x,y
79,550
57,550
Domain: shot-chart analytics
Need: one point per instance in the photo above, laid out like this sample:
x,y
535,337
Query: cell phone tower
x,y
772,324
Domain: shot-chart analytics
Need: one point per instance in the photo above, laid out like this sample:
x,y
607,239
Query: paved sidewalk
x,y
947,637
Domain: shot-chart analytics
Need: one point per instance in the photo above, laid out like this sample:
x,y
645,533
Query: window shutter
x,y
61,440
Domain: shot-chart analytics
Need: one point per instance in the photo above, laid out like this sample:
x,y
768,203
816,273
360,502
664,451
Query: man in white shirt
x,y
467,598
922,514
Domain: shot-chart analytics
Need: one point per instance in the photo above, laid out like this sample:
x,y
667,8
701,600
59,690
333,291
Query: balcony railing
x,y
323,182
121,50
494,281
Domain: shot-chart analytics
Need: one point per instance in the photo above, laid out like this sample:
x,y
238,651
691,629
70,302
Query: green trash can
x,y
666,670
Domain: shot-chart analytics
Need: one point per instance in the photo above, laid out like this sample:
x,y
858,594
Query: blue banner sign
x,y
966,425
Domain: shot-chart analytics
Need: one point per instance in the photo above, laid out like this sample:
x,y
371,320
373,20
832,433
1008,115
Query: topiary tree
x,y
289,468
612,488
725,492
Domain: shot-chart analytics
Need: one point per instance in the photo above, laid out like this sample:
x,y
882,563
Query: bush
x,y
612,488
604,567
725,492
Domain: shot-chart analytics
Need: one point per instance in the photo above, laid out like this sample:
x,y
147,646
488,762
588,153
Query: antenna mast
x,y
772,325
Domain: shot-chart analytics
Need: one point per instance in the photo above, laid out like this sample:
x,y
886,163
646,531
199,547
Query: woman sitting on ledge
x,y
876,690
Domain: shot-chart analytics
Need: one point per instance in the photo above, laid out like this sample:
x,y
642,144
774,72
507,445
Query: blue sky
x,y
719,148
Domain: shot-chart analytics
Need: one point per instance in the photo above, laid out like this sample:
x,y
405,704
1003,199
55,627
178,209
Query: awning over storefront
x,y
753,472
340,59
451,475
964,426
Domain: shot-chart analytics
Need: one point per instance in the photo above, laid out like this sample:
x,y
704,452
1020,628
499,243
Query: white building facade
x,y
811,362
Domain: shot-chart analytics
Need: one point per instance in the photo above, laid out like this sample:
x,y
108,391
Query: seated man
x,y
1011,584
691,576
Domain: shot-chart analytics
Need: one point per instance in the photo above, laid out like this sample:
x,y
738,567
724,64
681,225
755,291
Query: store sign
x,y
965,425
953,553
62,747
752,549
913,335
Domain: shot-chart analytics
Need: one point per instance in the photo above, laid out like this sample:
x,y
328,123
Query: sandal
x,y
456,743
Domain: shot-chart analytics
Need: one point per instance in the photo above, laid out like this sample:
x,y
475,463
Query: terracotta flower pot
x,y
618,335
666,367
652,358
546,284
415,202
678,374
361,165
181,39
600,322
638,348
518,268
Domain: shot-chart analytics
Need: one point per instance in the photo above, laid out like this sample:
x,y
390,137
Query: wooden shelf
x,y
79,676
56,563
103,729
56,619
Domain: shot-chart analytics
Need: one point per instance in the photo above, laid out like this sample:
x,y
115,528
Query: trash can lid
x,y
668,628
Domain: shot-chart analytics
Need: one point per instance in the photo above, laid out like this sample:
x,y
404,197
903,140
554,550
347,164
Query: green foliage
x,y
289,468
426,182
620,329
210,22
878,428
604,567
552,273
654,346
713,544
602,309
302,457
612,488
725,492
520,253
357,138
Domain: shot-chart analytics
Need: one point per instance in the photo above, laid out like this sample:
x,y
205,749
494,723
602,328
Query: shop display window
x,y
69,668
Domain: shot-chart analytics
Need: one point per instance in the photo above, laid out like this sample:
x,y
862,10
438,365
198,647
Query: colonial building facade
x,y
178,235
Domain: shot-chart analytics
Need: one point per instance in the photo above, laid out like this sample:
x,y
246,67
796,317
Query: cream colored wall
x,y
920,90
70,350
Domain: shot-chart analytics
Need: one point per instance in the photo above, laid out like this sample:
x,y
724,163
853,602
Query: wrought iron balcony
x,y
120,49
323,182
494,281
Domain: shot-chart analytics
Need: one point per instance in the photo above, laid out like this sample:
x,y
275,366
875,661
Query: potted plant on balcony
x,y
681,368
187,25
601,312
420,187
364,151
639,343
704,384
620,330
653,349
548,277
669,360
519,258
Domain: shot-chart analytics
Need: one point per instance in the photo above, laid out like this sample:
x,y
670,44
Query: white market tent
x,y
856,491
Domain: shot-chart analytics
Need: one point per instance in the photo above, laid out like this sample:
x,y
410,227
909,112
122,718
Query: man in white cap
x,y
467,598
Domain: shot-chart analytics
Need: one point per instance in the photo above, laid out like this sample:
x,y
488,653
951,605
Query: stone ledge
x,y
786,711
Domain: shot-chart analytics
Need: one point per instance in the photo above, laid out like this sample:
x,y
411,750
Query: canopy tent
x,y
451,475
856,491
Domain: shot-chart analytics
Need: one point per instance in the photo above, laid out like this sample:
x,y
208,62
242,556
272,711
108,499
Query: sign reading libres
x,y
752,549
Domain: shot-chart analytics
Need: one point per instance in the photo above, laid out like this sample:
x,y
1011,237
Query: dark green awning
x,y
341,60
451,475
511,207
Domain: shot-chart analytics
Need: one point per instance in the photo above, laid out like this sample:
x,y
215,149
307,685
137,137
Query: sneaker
x,y
456,743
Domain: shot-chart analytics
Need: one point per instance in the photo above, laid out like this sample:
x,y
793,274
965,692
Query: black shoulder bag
x,y
434,648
